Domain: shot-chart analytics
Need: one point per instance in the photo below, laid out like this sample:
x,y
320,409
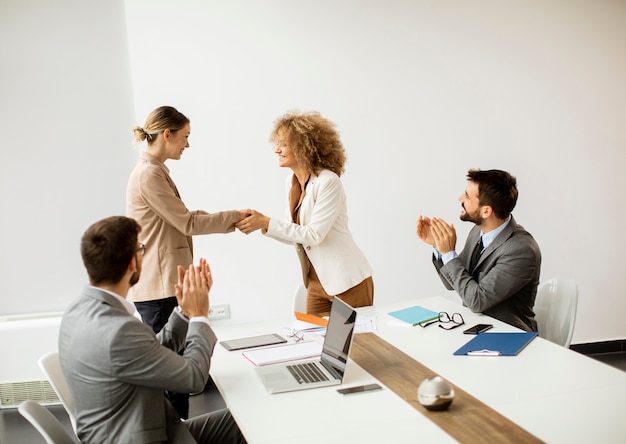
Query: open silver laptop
x,y
325,371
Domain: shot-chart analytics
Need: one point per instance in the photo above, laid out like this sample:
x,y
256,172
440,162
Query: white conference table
x,y
554,393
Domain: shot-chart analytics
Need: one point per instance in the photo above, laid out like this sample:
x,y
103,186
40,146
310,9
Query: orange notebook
x,y
311,319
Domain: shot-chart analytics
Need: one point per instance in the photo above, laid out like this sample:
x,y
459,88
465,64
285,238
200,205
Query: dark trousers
x,y
155,314
218,427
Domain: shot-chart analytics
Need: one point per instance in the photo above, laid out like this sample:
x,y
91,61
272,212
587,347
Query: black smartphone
x,y
478,328
358,389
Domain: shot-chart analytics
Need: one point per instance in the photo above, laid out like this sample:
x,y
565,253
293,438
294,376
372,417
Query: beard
x,y
467,217
134,278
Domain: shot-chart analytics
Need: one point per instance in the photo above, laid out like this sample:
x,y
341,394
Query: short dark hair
x,y
496,188
107,247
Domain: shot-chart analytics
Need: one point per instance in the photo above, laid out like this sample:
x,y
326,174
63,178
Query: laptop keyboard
x,y
306,373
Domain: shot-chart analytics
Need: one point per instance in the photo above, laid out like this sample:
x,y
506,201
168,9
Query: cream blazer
x,y
323,235
166,227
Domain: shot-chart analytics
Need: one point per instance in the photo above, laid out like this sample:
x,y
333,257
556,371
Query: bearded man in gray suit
x,y
117,368
497,273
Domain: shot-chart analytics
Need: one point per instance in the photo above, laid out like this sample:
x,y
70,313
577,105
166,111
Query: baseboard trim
x,y
594,348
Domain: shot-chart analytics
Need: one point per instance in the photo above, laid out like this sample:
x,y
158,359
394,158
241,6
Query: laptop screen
x,y
339,335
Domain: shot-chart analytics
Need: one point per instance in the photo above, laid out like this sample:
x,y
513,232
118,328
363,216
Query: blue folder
x,y
415,315
497,344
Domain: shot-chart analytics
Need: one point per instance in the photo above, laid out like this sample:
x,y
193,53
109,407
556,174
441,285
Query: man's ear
x,y
132,266
486,211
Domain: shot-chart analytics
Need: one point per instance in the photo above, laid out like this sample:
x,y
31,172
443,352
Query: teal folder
x,y
415,315
497,344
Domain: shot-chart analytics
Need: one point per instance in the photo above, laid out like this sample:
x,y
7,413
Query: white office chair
x,y
299,299
46,424
51,366
555,310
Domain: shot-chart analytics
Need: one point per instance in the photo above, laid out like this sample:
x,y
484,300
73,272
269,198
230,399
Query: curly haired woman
x,y
316,219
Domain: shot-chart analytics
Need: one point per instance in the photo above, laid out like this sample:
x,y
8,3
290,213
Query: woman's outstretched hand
x,y
253,222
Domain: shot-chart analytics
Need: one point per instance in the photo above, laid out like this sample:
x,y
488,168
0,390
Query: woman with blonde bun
x,y
167,226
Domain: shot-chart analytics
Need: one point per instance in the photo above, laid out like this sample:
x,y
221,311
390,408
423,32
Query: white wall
x,y
65,114
421,91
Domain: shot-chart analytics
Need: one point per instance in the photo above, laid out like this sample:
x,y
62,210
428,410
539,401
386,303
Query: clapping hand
x,y
422,229
192,289
443,234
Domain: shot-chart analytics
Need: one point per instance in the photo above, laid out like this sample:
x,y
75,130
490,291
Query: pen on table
x,y
484,353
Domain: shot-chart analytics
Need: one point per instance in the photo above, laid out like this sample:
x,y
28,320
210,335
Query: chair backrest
x,y
46,424
555,310
51,366
299,299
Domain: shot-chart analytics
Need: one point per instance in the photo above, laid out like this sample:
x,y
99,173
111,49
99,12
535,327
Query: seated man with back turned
x,y
497,273
117,368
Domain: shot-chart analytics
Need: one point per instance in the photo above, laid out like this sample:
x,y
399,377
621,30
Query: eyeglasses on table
x,y
296,335
444,318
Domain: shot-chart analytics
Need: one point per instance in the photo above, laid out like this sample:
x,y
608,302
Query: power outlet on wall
x,y
219,311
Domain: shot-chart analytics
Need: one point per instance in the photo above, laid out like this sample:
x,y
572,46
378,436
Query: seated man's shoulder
x,y
520,234
522,244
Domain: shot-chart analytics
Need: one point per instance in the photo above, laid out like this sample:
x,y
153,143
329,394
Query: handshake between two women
x,y
252,220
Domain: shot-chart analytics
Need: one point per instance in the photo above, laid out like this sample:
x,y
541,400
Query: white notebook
x,y
284,353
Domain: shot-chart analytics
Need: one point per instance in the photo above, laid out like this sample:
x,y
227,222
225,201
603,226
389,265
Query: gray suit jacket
x,y
507,276
117,370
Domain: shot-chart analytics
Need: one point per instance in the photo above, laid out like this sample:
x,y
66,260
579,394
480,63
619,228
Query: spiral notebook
x,y
284,353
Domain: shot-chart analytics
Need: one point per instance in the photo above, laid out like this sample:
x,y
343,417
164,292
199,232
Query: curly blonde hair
x,y
314,140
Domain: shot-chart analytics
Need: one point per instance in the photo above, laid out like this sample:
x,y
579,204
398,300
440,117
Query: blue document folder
x,y
415,315
497,344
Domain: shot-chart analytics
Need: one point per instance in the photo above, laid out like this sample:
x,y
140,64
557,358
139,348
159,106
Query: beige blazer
x,y
323,235
167,227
